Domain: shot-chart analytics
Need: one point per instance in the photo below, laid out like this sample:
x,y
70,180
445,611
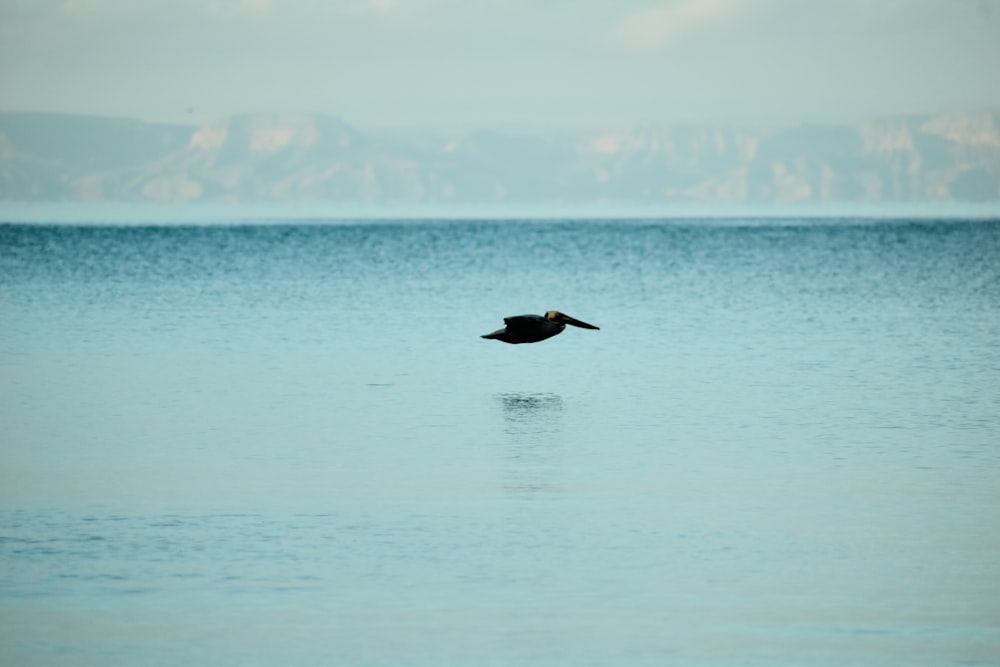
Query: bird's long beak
x,y
577,323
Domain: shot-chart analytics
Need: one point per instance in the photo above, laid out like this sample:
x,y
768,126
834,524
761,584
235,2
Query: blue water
x,y
287,444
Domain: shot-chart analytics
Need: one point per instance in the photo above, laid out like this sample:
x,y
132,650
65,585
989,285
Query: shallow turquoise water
x,y
288,444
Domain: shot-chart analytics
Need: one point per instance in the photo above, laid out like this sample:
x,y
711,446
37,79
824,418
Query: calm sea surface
x,y
287,444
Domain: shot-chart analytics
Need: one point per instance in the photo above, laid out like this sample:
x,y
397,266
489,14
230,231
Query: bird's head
x,y
562,318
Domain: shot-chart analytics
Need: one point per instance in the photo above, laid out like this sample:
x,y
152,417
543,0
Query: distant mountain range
x,y
315,158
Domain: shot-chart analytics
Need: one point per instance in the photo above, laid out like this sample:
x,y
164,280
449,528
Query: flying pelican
x,y
533,328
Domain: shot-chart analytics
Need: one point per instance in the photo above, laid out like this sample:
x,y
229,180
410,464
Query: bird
x,y
535,328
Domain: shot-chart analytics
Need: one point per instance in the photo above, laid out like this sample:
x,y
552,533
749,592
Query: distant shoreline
x,y
143,213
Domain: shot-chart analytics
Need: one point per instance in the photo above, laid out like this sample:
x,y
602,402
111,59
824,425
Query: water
x,y
287,444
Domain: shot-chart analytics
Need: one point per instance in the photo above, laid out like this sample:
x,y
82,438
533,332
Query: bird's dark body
x,y
526,329
534,328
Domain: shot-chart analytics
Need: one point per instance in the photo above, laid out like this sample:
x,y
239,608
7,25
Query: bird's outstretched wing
x,y
518,322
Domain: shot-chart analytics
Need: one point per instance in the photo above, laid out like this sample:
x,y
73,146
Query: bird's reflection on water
x,y
538,410
533,442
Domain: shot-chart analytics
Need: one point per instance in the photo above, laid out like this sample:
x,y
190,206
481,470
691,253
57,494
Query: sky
x,y
464,64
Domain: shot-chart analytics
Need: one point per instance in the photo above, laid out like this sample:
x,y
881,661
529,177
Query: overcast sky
x,y
471,63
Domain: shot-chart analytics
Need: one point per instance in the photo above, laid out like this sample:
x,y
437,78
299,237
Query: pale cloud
x,y
656,28
469,63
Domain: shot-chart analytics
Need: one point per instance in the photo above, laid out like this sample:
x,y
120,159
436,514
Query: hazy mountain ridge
x,y
296,157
